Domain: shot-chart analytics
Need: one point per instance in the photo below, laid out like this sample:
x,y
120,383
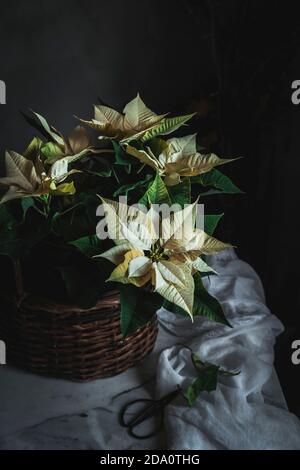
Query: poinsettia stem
x,y
45,199
115,174
105,151
39,211
71,208
42,210
140,169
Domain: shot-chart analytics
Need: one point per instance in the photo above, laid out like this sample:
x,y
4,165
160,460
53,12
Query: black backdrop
x,y
232,61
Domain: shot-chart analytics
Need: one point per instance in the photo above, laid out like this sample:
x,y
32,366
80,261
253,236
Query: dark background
x,y
232,61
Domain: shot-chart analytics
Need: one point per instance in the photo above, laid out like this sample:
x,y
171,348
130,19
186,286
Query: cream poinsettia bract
x,y
27,177
176,157
162,251
137,122
60,151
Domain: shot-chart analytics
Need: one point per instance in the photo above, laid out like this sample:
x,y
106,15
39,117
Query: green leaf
x,y
211,222
205,305
33,148
100,167
26,204
6,217
216,179
103,173
122,158
137,307
78,220
205,382
126,188
89,245
17,239
13,213
181,193
84,280
51,152
129,299
157,193
166,126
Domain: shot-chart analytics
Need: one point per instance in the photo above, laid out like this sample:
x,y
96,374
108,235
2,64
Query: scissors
x,y
151,408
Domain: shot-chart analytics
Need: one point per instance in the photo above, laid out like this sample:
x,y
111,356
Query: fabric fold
x,y
238,415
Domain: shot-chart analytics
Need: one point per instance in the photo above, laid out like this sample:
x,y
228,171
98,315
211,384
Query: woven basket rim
x,y
107,300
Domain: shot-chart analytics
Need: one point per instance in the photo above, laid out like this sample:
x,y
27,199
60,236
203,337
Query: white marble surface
x,y
46,413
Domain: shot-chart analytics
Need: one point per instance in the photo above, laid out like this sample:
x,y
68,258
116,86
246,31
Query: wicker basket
x,y
66,341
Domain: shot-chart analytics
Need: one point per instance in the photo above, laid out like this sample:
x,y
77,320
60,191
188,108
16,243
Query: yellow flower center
x,y
156,253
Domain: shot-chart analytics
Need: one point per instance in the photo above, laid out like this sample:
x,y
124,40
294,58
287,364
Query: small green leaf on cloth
x,y
207,378
205,382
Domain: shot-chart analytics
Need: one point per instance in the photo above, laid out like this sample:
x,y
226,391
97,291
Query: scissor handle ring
x,y
127,406
131,428
151,434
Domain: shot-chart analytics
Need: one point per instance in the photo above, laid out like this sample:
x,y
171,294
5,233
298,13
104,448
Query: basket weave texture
x,y
78,344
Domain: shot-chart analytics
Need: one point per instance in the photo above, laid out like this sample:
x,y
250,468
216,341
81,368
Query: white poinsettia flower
x,y
164,256
176,157
137,122
27,177
60,151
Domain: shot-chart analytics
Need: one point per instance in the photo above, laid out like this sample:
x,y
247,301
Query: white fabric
x,y
239,414
245,412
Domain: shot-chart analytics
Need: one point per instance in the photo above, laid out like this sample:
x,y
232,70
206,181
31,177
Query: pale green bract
x,y
137,122
176,158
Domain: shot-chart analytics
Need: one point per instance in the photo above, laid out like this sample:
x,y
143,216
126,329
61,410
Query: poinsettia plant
x,y
48,213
